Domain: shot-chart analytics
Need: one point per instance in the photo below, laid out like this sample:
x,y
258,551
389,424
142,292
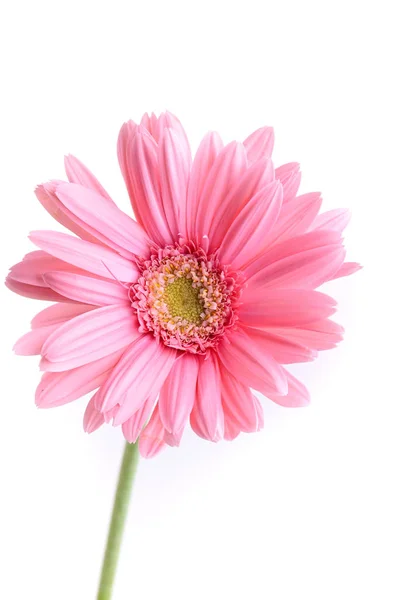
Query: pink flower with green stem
x,y
176,317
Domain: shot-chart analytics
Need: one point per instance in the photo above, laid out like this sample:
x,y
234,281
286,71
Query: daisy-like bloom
x,y
177,316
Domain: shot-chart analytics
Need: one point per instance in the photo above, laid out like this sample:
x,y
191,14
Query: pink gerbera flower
x,y
177,316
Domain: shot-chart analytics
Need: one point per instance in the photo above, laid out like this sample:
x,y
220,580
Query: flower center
x,y
184,298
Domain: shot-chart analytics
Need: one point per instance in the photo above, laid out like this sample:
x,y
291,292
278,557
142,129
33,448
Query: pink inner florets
x,y
185,298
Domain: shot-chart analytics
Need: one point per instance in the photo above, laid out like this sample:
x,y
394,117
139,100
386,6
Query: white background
x,y
309,507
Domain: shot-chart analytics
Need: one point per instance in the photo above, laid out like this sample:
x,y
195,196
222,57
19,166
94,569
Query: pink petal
x,y
138,156
31,256
58,313
259,144
134,425
89,337
85,255
31,343
295,217
33,291
134,379
30,270
88,290
124,151
78,173
178,393
319,335
153,124
336,219
250,364
172,122
260,413
244,239
290,177
347,268
173,439
207,416
227,168
256,177
92,419
46,195
108,414
56,389
204,159
174,175
156,126
310,268
104,220
231,429
286,308
151,441
297,395
239,404
282,349
293,246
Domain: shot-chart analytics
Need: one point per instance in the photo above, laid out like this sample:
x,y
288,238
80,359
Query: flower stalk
x,y
118,518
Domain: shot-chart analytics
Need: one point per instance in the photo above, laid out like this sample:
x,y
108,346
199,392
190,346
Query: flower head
x,y
177,316
185,298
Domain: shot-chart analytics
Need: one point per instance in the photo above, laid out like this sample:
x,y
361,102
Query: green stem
x,y
118,518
